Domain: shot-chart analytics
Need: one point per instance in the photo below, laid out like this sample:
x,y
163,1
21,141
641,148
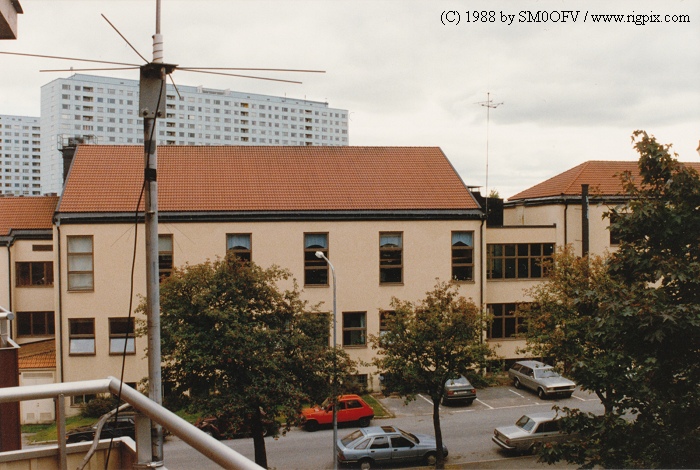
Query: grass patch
x,y
379,410
47,432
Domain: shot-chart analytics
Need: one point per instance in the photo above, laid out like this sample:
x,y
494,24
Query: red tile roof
x,y
603,178
38,355
26,213
251,178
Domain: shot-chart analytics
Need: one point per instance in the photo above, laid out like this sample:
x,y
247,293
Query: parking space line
x,y
485,404
426,399
518,394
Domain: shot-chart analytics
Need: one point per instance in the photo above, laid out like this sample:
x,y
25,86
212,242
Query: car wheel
x,y
311,426
364,422
365,464
516,383
541,394
430,459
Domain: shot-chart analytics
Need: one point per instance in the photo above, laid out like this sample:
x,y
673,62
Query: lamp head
x,y
319,254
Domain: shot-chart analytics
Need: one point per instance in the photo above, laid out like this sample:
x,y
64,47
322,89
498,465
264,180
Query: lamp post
x,y
319,254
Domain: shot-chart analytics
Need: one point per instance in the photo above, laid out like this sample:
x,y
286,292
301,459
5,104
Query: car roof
x,y
347,397
379,430
534,364
543,416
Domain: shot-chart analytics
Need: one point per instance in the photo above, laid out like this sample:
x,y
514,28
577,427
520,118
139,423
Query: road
x,y
466,432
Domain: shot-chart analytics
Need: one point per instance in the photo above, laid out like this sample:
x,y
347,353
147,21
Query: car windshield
x,y
525,423
408,435
351,437
545,373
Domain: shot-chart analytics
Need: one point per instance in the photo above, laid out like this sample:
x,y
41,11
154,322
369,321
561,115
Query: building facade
x,y
104,110
20,155
391,219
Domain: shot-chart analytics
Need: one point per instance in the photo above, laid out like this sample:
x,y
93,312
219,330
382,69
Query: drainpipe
x,y
585,242
59,323
482,273
9,276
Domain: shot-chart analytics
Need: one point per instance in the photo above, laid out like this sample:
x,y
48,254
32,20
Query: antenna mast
x,y
488,104
151,108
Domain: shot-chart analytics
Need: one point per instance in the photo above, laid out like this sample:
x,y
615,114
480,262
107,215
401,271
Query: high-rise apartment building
x,y
104,110
20,155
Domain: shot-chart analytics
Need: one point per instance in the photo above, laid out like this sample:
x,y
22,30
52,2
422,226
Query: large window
x,y
518,260
34,273
506,321
81,336
315,269
80,263
462,256
121,336
35,324
354,328
165,256
390,257
384,316
240,244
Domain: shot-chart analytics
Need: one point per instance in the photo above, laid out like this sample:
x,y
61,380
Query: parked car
x,y
222,428
123,426
459,390
540,378
530,431
351,409
377,445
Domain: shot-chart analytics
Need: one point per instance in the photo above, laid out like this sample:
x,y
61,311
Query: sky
x,y
563,90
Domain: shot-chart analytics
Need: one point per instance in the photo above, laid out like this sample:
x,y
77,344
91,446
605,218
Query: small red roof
x,y
26,213
602,177
260,178
37,355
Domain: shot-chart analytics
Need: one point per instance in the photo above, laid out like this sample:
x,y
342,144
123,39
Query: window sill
x,y
355,346
314,286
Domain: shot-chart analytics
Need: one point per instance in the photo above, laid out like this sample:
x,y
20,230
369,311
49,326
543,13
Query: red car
x,y
351,408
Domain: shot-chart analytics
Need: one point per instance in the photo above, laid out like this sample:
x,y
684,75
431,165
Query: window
x,y
390,258
79,400
121,336
315,269
518,261
81,336
35,273
80,263
165,256
506,322
354,329
35,324
384,315
240,244
42,247
462,256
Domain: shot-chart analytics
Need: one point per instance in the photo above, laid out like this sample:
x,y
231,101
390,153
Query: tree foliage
x,y
242,349
426,343
628,327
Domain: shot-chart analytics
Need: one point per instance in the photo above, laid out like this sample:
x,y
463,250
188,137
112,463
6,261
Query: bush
x,y
98,406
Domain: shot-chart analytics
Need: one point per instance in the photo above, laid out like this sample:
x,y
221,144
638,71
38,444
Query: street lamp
x,y
319,254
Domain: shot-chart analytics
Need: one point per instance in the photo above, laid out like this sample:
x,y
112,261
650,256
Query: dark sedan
x,y
123,426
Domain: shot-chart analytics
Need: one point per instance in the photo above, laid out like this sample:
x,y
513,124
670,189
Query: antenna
x,y
489,104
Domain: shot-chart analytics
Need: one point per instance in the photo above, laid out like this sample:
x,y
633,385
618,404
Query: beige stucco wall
x,y
353,250
4,278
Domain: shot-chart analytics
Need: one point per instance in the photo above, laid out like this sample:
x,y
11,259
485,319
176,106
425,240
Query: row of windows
x,y
81,276
82,340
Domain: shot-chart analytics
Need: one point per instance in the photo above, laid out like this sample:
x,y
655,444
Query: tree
x,y
630,325
242,349
428,342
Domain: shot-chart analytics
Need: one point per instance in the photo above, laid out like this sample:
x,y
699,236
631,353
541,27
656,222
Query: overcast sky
x,y
413,72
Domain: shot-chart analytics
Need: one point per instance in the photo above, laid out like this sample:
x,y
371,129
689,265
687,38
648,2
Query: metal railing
x,y
205,444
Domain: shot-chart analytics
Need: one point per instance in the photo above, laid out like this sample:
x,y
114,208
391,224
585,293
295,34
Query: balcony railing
x,y
146,408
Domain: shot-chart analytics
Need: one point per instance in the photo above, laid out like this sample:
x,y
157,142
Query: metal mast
x,y
151,108
488,104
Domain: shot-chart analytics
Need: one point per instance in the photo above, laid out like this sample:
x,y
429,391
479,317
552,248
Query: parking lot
x,y
491,398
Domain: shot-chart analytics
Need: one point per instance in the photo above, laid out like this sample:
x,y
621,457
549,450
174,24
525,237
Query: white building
x,y
20,155
104,110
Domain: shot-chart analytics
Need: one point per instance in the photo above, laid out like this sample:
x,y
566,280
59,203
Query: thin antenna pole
x,y
488,104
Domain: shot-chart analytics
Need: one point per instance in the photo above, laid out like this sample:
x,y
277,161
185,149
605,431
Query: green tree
x,y
428,342
242,349
628,327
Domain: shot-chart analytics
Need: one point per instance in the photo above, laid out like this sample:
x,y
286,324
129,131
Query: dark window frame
x,y
241,252
165,256
506,323
119,334
316,270
350,338
34,274
391,258
518,260
462,258
73,256
80,333
36,323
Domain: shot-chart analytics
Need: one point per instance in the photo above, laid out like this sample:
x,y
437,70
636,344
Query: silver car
x,y
459,390
376,445
540,378
529,431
